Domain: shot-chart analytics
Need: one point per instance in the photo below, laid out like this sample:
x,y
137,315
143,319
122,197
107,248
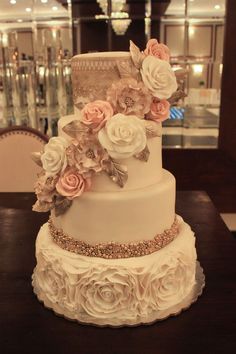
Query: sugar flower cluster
x,y
107,131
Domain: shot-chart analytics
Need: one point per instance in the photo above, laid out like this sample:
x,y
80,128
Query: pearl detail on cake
x,y
114,250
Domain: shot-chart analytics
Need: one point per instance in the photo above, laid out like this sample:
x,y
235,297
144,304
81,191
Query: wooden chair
x,y
18,172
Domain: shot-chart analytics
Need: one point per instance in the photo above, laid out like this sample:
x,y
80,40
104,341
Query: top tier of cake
x,y
93,74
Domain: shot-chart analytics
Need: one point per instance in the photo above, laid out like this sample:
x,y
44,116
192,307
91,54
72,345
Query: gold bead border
x,y
114,250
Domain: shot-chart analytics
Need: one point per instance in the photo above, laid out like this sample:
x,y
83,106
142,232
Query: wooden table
x,y
209,326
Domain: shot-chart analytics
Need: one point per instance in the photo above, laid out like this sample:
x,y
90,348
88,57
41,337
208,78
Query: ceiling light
x,y
54,8
19,20
44,1
191,31
217,7
13,2
28,9
197,69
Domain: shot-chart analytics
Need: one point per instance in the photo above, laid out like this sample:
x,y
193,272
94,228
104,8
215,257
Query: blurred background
x,y
38,38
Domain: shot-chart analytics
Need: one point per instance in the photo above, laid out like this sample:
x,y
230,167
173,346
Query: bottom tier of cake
x,y
118,292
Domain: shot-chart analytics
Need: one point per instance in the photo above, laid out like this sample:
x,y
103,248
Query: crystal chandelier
x,y
117,5
120,20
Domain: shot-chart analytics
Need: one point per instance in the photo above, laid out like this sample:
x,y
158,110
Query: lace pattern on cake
x,y
91,78
114,250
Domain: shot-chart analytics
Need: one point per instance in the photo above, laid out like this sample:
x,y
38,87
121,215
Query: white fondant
x,y
140,173
127,216
98,55
117,291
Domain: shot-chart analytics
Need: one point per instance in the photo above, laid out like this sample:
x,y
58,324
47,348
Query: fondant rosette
x,y
171,282
52,279
103,293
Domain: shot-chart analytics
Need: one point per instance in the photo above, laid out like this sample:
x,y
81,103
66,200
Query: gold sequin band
x,y
113,250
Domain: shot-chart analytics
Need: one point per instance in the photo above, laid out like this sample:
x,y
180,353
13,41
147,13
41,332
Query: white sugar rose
x,y
158,77
54,158
123,136
107,293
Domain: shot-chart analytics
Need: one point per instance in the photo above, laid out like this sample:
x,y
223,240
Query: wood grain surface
x,y
209,326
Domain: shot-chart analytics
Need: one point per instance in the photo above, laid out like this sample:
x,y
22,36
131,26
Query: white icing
x,y
126,216
118,291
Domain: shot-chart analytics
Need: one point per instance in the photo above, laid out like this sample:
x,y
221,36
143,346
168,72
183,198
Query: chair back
x,y
18,172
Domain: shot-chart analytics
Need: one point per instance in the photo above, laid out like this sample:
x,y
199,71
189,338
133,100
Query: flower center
x,y
129,102
90,154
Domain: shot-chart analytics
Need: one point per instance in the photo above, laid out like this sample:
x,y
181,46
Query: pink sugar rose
x,y
159,110
72,184
95,114
158,50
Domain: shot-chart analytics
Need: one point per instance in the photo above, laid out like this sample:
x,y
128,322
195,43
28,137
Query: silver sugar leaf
x,y
143,155
153,129
62,204
136,55
176,96
117,172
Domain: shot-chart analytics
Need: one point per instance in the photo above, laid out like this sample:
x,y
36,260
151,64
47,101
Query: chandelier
x,y
120,20
116,5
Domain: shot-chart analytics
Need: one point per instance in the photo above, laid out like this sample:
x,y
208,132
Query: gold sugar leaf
x,y
75,128
127,70
143,155
41,207
36,157
136,55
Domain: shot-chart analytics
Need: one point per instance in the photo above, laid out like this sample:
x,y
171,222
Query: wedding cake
x,y
113,251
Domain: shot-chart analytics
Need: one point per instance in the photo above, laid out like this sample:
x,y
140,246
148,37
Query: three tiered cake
x,y
113,251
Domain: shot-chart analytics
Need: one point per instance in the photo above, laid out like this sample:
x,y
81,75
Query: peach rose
x,y
95,114
158,50
72,184
159,110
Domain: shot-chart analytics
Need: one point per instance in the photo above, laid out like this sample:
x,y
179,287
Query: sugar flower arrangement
x,y
107,132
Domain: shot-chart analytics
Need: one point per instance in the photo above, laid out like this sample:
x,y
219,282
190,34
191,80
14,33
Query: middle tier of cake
x,y
128,216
